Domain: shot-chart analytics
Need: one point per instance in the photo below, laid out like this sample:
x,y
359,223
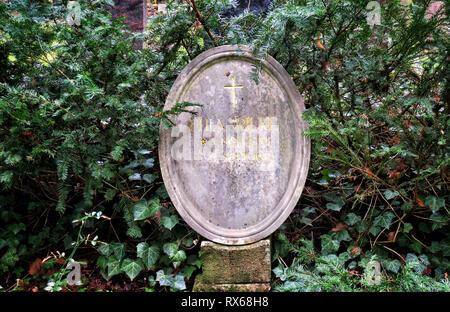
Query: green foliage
x,y
80,111
175,282
377,106
132,268
347,272
143,209
149,254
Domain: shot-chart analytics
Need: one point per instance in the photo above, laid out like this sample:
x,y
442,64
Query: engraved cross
x,y
233,88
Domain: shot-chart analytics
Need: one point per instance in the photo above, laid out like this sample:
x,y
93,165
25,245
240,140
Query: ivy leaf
x,y
280,272
434,203
435,247
416,247
418,264
308,210
149,162
329,245
188,270
148,254
163,279
145,209
105,249
170,249
134,231
392,265
176,256
384,220
341,236
102,262
118,250
334,206
305,220
352,219
135,177
194,260
176,282
375,230
169,222
389,194
407,227
179,283
113,267
180,256
149,178
132,267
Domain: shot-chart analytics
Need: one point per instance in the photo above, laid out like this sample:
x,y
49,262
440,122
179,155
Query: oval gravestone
x,y
235,169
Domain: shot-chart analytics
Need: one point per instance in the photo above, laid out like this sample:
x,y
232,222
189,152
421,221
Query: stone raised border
x,y
300,164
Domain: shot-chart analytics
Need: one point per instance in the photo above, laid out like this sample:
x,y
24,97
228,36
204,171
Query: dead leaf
x,y
438,99
400,166
320,45
391,236
394,174
353,272
325,66
420,202
407,124
427,271
355,250
35,266
339,227
330,149
198,24
60,260
369,172
393,140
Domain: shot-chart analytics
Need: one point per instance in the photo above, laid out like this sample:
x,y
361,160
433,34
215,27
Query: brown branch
x,y
202,20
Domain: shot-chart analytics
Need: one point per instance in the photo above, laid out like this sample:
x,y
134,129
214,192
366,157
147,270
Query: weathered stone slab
x,y
199,286
236,169
236,264
234,268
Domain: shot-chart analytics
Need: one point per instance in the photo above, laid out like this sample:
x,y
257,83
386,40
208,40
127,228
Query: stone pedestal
x,y
234,268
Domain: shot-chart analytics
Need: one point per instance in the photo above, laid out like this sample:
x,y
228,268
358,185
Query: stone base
x,y
234,268
199,286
